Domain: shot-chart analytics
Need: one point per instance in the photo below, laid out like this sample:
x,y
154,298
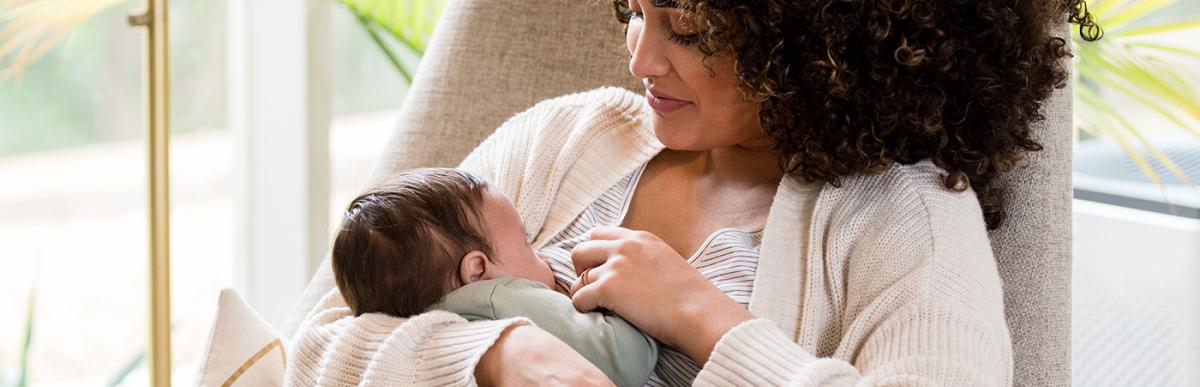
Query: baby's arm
x,y
618,348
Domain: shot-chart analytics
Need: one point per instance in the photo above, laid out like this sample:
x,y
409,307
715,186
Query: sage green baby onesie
x,y
614,345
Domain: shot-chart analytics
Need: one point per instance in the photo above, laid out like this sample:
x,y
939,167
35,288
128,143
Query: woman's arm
x,y
930,328
616,347
525,356
938,322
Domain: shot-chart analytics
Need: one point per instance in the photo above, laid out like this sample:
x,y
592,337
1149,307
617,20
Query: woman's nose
x,y
646,59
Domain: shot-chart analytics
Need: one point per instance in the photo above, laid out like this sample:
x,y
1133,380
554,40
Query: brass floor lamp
x,y
154,19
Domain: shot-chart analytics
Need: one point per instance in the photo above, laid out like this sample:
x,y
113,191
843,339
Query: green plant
x,y
27,337
27,333
1141,59
27,341
30,28
130,365
409,22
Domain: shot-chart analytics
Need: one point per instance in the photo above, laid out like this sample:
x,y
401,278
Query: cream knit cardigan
x,y
888,281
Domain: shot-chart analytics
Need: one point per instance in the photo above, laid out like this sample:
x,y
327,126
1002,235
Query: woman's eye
x,y
682,32
684,40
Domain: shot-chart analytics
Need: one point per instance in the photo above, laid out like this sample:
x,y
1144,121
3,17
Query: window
x,y
1137,215
74,218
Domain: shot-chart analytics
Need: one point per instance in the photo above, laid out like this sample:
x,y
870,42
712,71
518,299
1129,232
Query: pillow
x,y
243,349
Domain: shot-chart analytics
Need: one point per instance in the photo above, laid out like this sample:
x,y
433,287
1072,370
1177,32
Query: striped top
x,y
728,258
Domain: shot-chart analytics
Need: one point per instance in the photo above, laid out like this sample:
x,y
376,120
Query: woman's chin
x,y
675,137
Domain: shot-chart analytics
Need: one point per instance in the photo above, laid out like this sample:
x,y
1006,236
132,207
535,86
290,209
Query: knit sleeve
x,y
443,353
917,301
926,350
332,347
501,157
533,137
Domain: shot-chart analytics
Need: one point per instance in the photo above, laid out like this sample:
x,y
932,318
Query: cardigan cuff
x,y
757,353
452,352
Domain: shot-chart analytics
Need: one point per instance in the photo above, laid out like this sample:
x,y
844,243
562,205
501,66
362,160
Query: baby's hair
x,y
400,242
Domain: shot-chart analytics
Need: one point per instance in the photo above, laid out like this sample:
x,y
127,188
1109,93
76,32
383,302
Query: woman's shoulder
x,y
918,185
550,126
606,105
609,98
910,201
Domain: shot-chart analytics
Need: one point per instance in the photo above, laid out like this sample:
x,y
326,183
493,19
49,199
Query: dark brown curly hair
x,y
854,86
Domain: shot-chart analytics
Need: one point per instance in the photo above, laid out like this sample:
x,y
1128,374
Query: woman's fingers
x,y
587,277
585,293
587,297
603,243
610,233
589,254
583,280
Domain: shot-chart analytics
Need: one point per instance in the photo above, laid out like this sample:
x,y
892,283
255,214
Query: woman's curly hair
x,y
854,86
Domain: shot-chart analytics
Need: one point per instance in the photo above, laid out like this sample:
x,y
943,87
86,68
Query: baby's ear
x,y
473,266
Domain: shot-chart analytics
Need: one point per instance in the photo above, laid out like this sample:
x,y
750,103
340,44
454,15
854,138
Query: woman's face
x,y
695,109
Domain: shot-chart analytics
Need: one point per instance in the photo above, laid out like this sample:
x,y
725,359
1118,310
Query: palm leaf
x,y
370,28
410,22
128,368
30,28
1093,118
1160,28
1126,62
1167,48
1153,150
1123,70
1107,7
1157,106
1135,69
27,336
1133,12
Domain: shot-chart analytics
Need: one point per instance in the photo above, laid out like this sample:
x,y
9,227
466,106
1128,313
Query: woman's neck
x,y
741,165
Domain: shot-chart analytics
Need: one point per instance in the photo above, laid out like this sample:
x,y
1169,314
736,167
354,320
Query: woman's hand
x,y
525,355
641,278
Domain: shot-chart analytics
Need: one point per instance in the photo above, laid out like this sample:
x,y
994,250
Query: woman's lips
x,y
664,104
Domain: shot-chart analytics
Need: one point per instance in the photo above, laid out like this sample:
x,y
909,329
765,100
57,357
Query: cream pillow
x,y
243,349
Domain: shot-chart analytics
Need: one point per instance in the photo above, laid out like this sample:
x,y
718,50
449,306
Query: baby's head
x,y
408,241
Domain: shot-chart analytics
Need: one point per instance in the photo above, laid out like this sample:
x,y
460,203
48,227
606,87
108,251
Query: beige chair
x,y
491,59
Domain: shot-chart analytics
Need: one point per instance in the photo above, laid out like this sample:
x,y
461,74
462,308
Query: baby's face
x,y
513,257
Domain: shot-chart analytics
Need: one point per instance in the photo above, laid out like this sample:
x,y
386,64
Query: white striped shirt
x,y
728,258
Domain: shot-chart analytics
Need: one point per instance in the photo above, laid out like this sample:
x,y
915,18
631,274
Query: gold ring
x,y
583,277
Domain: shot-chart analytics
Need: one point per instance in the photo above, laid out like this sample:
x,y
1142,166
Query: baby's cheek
x,y
546,274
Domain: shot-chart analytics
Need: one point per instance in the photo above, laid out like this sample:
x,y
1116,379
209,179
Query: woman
x,y
800,198
890,121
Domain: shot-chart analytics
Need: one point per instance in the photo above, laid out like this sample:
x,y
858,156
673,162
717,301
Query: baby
x,y
439,238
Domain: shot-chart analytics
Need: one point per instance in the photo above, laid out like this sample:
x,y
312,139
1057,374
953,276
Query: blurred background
x,y
280,108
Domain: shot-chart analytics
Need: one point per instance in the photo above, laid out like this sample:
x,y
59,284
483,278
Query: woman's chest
x,y
685,213
727,256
